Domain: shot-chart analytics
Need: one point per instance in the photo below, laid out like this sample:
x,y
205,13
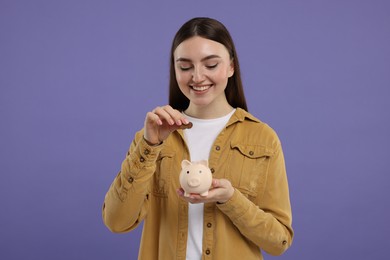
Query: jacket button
x,y
251,153
217,148
209,225
130,179
142,159
208,251
212,170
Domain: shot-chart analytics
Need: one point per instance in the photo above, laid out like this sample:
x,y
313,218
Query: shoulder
x,y
251,130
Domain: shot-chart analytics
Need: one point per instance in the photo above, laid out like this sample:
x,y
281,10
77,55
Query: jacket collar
x,y
240,115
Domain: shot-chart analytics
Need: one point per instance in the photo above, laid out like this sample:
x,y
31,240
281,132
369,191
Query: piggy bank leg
x,y
204,194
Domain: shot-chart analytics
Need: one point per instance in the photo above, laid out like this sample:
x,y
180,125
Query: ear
x,y
231,69
185,163
204,162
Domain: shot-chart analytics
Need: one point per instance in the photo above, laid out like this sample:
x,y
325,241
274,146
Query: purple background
x,y
77,78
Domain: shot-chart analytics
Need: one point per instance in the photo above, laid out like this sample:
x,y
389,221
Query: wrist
x,y
231,192
151,143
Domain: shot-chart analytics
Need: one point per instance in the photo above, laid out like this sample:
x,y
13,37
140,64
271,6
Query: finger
x,y
221,183
195,200
176,115
180,192
164,115
215,183
152,117
195,196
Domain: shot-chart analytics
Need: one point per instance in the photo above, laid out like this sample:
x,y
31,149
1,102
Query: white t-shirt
x,y
200,139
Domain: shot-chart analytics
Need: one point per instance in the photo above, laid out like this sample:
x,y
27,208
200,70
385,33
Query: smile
x,y
201,88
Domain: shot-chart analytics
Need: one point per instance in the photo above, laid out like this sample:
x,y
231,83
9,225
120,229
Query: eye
x,y
212,66
200,171
185,68
188,172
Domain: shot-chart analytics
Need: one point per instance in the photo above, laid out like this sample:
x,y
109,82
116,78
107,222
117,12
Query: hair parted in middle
x,y
214,30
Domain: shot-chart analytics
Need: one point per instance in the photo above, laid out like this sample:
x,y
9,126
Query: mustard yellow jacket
x,y
258,216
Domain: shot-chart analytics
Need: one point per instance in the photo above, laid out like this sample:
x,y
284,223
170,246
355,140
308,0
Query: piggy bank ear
x,y
185,163
204,162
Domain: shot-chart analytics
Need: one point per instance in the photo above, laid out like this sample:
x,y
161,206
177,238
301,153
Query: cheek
x,y
221,76
182,81
181,78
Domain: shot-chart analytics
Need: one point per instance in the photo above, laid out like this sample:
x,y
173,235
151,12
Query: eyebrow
x,y
204,59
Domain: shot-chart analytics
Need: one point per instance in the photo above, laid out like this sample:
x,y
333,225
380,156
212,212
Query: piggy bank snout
x,y
193,182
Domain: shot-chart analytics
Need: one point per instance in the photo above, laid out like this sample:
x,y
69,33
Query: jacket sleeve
x,y
127,200
267,221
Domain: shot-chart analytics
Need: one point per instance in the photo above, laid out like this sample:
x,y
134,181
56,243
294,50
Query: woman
x,y
247,208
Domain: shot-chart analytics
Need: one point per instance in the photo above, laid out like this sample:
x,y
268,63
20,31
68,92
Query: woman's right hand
x,y
161,122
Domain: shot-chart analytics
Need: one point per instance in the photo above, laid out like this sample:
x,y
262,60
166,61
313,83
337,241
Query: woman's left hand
x,y
221,191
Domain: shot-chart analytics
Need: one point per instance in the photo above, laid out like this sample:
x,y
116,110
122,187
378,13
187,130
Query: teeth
x,y
200,88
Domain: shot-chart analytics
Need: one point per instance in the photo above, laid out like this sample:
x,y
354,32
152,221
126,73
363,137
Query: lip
x,y
201,88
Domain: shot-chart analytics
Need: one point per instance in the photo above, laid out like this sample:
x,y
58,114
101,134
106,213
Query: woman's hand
x,y
162,121
221,191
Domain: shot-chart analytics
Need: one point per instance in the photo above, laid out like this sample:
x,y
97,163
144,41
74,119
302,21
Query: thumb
x,y
217,183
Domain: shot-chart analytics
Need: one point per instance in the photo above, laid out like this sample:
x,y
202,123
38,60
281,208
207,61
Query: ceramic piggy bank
x,y
195,177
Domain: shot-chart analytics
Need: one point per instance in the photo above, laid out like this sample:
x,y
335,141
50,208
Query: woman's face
x,y
202,70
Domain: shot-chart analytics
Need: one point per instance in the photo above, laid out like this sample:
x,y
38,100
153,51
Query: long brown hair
x,y
214,30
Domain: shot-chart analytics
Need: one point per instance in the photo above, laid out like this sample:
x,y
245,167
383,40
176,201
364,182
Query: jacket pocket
x,y
248,168
163,174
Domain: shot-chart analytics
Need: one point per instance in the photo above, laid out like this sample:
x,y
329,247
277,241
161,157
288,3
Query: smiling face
x,y
202,69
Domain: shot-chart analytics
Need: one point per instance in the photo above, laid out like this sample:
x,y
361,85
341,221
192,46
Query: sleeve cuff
x,y
236,207
145,155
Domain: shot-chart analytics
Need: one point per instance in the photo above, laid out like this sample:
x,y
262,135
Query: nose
x,y
197,75
194,182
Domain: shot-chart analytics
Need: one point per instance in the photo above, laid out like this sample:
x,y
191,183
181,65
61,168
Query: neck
x,y
205,112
